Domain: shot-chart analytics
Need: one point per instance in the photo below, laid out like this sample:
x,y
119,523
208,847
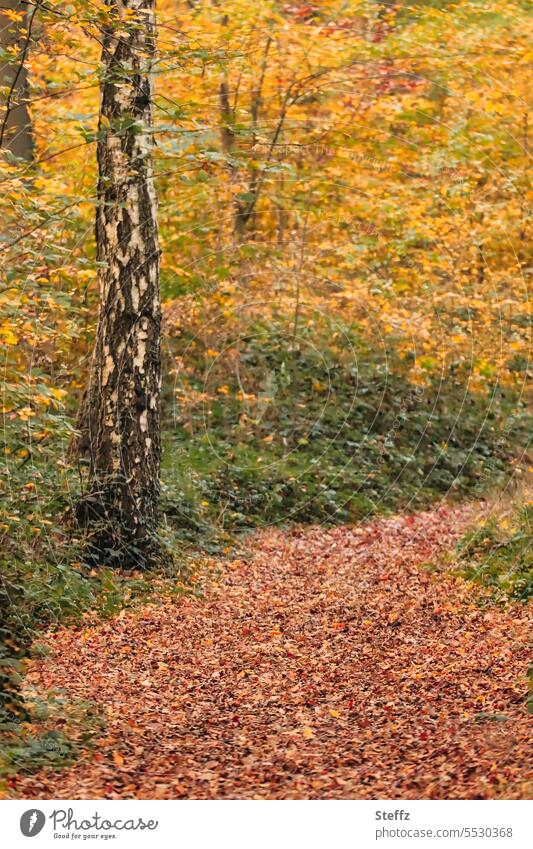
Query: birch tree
x,y
120,419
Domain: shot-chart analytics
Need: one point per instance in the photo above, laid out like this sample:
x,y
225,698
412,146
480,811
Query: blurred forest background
x,y
345,225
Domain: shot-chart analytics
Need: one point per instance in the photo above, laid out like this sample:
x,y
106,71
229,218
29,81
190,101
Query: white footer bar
x,y
267,825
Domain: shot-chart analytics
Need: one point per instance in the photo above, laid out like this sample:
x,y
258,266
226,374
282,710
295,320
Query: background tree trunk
x,y
16,133
120,418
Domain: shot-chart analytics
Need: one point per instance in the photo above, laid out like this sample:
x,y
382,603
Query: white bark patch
x,y
111,232
109,368
140,356
117,157
135,296
133,204
123,93
143,421
136,241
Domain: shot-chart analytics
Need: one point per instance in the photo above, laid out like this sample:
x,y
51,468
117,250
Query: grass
x,y
499,554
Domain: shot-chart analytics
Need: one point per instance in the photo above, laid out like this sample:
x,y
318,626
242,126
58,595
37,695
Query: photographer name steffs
x,y
66,825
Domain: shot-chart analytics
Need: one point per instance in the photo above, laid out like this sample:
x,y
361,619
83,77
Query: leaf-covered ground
x,y
326,664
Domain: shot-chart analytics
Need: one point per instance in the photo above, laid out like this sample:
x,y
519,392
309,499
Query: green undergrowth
x,y
499,554
55,733
324,431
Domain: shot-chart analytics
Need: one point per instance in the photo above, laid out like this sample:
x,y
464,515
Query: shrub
x,y
499,554
325,431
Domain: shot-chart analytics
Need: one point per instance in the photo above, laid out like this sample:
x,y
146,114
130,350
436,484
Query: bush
x,y
325,431
499,554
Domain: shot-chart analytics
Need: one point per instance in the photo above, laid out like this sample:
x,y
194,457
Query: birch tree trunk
x,y
120,418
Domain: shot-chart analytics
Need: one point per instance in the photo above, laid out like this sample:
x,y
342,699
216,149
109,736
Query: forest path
x,y
327,664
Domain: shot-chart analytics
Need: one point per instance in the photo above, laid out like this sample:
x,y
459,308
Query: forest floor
x,y
326,663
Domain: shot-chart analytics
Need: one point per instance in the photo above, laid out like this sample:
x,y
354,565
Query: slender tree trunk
x,y
16,133
120,418
245,211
